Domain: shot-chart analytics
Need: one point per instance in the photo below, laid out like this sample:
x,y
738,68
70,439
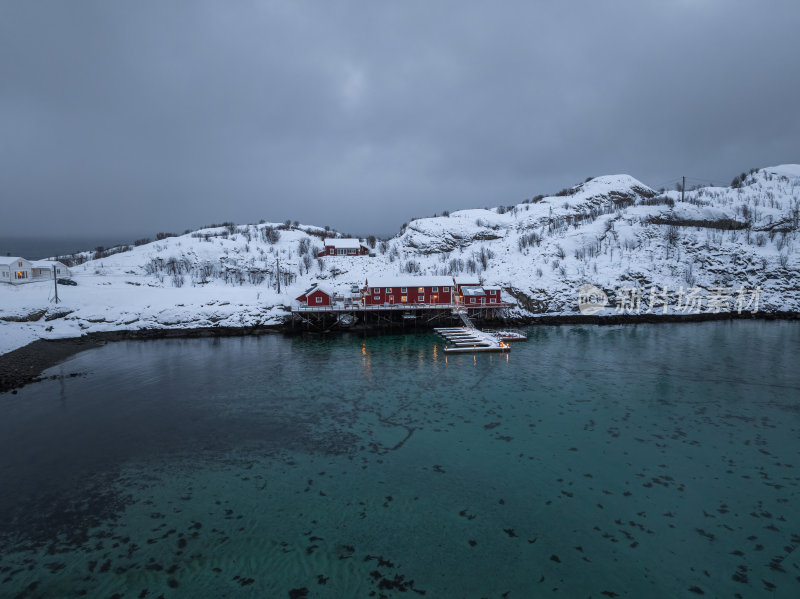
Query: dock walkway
x,y
468,339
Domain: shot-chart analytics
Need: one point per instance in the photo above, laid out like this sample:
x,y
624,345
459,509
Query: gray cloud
x,y
164,116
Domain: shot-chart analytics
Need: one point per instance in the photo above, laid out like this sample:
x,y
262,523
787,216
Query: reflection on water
x,y
614,461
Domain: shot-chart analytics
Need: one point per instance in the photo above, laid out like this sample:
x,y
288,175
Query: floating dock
x,y
508,335
466,340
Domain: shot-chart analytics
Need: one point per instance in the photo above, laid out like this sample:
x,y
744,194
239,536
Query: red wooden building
x,y
474,296
462,282
343,247
408,290
315,296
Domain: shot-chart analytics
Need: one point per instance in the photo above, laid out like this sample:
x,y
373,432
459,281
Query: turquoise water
x,y
631,461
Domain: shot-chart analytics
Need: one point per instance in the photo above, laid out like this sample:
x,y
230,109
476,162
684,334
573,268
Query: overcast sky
x,y
128,118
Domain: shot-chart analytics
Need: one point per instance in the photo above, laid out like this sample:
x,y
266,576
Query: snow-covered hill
x,y
635,244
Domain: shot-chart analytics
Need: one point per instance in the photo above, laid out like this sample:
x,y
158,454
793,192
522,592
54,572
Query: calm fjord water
x,y
649,460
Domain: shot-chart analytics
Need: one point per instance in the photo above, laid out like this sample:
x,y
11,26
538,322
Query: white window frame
x,y
319,299
404,290
376,298
420,290
435,289
388,290
376,290
445,289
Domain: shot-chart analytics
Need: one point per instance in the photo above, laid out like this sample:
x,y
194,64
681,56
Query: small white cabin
x,y
15,270
43,269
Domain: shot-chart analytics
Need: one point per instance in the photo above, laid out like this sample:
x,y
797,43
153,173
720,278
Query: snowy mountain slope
x,y
612,232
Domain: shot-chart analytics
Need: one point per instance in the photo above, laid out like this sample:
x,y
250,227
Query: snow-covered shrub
x,y
455,266
270,235
411,267
672,235
688,275
530,239
483,257
306,262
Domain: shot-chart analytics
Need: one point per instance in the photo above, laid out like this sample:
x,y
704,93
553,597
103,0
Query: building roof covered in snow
x,y
472,291
47,264
344,243
410,281
467,281
9,260
315,287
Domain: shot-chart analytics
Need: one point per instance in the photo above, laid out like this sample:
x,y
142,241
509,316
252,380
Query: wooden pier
x,y
342,315
467,340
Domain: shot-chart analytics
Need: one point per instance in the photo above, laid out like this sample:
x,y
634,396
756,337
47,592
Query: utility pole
x,y
278,268
683,188
55,282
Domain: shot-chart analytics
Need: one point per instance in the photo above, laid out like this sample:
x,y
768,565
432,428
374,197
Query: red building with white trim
x,y
475,296
462,282
408,290
315,296
343,247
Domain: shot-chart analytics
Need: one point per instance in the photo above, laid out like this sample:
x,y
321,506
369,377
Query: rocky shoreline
x,y
25,364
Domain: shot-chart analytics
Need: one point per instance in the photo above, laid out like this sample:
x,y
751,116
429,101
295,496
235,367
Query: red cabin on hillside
x,y
408,290
343,247
315,296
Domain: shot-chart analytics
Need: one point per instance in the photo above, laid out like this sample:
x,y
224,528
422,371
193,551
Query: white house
x,y
43,269
15,270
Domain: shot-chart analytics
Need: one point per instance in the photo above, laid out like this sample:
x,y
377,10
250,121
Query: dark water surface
x,y
649,460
